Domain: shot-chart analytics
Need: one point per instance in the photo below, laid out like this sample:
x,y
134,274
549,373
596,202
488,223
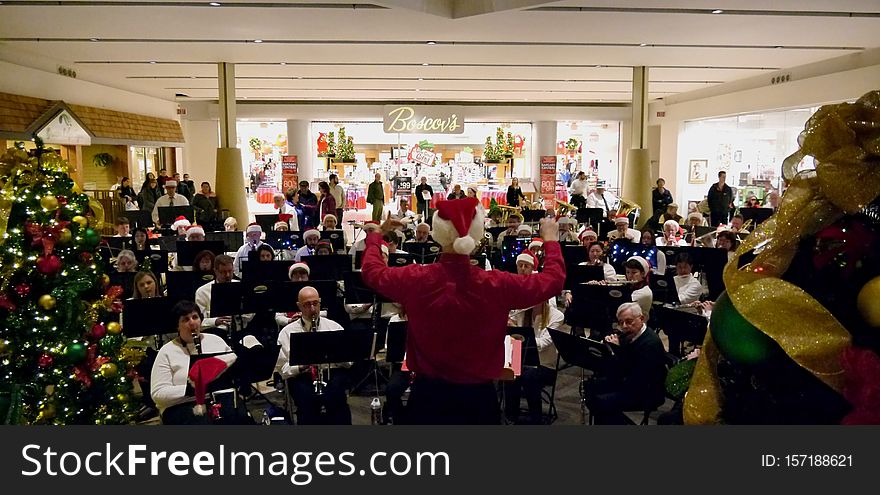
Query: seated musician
x,y
145,286
687,286
588,236
423,233
648,240
637,270
494,219
122,227
536,247
252,243
513,222
141,239
204,262
727,240
222,275
695,219
265,252
567,227
180,225
323,248
524,230
394,239
622,231
540,318
671,213
126,262
634,378
671,235
171,386
301,378
311,237
329,223
595,257
194,233
736,224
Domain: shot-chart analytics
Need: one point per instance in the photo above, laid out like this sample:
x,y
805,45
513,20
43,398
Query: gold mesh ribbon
x,y
844,140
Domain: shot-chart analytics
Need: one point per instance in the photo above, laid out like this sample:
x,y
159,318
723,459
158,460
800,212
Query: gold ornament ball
x,y
122,397
867,302
113,328
49,202
108,370
46,302
81,220
65,236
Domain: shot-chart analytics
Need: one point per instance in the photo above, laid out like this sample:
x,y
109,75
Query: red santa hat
x,y
299,265
371,225
311,233
194,230
588,233
254,227
536,242
642,261
179,222
528,257
459,224
205,371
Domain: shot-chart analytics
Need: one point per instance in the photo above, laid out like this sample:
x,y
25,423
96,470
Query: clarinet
x,y
317,377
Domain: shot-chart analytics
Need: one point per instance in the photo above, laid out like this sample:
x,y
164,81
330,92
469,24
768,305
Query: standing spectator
x,y
327,203
578,191
182,188
205,203
514,193
308,202
163,177
720,200
660,199
189,183
338,194
422,204
376,197
125,191
149,194
286,212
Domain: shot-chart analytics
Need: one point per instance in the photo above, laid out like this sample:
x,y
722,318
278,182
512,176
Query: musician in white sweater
x,y
637,270
687,286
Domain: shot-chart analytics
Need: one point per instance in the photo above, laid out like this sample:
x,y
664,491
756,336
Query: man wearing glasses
x,y
634,378
301,379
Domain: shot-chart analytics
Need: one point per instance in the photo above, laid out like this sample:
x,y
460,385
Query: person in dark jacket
x,y
660,198
634,379
514,193
720,199
149,194
205,203
422,205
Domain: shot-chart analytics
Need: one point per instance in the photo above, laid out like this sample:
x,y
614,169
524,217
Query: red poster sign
x,y
289,172
548,179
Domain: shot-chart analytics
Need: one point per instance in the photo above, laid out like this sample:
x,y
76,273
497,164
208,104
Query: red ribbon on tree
x,y
93,363
44,235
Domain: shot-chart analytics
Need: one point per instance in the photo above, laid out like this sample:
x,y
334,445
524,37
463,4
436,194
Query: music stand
x,y
232,241
169,242
139,219
359,259
579,274
280,239
182,286
328,267
591,216
574,255
139,316
495,231
395,342
532,216
266,222
124,280
709,261
577,351
158,260
400,259
756,215
681,326
226,299
663,288
117,244
595,306
322,348
336,238
256,272
357,292
167,214
187,250
423,252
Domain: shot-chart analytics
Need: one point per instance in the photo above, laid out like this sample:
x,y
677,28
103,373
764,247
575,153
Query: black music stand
x,y
158,259
324,348
357,292
400,259
169,242
280,239
167,214
479,260
591,216
117,244
756,215
423,252
266,222
145,317
495,231
139,219
663,288
579,274
531,216
395,342
232,241
681,326
182,286
187,250
621,250
574,255
124,280
359,259
595,306
336,238
328,267
709,261
255,272
226,299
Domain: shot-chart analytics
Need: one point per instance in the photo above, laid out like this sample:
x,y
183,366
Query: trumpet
x,y
565,208
625,207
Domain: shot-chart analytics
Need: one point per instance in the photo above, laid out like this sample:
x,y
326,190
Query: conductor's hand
x,y
549,229
390,224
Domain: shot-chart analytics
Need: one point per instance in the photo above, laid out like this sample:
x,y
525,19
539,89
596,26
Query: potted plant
x,y
103,160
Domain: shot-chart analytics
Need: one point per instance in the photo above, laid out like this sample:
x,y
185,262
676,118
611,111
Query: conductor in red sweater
x,y
458,315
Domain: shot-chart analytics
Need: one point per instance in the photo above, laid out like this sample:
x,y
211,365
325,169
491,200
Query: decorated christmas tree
x,y
795,337
62,354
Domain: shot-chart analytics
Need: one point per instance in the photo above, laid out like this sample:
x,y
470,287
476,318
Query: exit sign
x,y
661,114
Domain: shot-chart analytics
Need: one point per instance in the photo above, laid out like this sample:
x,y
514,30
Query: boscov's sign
x,y
423,119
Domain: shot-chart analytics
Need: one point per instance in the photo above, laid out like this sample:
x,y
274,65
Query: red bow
x,y
93,363
44,235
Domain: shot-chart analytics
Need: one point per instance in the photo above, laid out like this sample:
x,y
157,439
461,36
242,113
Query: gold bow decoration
x,y
844,140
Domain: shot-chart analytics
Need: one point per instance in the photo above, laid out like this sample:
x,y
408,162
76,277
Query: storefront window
x,y
750,148
262,145
144,160
593,147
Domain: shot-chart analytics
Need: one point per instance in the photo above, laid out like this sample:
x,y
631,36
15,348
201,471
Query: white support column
x,y
299,143
636,183
230,177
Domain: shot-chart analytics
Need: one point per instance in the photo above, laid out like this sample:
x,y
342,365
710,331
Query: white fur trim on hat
x,y
298,266
445,234
180,223
621,220
642,261
526,257
536,242
254,228
195,229
524,227
311,233
170,183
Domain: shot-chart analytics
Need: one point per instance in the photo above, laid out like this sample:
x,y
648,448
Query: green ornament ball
x,y
75,352
91,237
738,340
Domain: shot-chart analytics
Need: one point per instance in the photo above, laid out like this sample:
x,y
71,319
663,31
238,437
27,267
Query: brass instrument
x,y
317,375
507,210
565,208
625,207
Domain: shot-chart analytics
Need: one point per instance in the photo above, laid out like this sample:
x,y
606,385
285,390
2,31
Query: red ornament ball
x,y
45,360
86,257
48,265
62,200
98,331
23,289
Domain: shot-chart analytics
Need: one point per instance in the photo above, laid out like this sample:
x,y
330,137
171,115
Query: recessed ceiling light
x,y
214,4
425,64
643,44
417,90
420,79
777,47
258,41
431,43
94,39
299,77
717,11
152,61
283,63
599,66
192,77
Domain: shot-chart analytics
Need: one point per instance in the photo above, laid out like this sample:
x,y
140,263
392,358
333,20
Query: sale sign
x,y
548,179
289,172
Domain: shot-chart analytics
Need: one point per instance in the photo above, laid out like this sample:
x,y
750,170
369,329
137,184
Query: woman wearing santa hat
x,y
637,271
457,360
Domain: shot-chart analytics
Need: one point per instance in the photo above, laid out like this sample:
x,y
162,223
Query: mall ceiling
x,y
436,50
